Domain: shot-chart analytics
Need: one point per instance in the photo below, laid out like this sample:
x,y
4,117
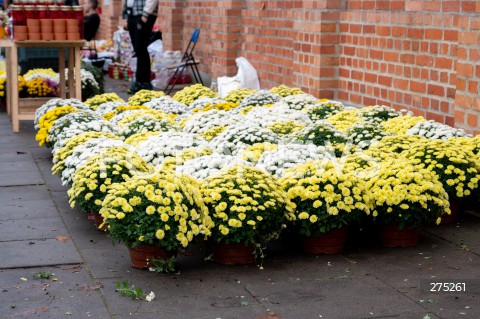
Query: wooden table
x,y
25,110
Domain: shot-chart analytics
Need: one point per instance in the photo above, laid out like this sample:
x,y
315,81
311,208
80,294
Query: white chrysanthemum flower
x,y
436,131
157,148
288,156
209,165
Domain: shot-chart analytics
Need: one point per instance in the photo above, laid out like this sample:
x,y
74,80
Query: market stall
x,y
24,109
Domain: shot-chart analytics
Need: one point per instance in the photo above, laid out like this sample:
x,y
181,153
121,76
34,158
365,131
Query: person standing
x,y
91,21
141,17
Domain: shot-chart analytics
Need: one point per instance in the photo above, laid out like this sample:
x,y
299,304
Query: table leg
x,y
8,87
14,88
78,78
61,71
71,76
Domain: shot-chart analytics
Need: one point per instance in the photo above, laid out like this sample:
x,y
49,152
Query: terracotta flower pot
x,y
59,23
98,219
142,254
60,36
59,29
33,23
72,28
20,29
48,36
21,36
393,236
456,208
47,29
46,23
73,36
332,242
34,36
233,254
72,22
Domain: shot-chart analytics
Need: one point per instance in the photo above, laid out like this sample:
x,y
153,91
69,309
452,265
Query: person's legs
x,y
143,33
132,26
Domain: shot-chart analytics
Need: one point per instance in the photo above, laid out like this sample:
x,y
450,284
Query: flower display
x,y
47,74
325,197
91,180
285,128
206,166
344,120
324,134
223,106
191,93
90,86
363,134
252,153
279,112
157,148
261,98
277,161
145,122
46,121
396,144
63,128
201,103
204,121
285,91
22,85
323,110
436,131
235,138
213,132
61,153
247,205
97,100
406,195
401,124
167,105
122,111
83,152
54,103
456,167
144,96
138,138
111,107
237,96
168,207
39,87
378,113
300,101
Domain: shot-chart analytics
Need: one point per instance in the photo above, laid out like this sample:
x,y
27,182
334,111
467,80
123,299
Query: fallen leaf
x,y
63,239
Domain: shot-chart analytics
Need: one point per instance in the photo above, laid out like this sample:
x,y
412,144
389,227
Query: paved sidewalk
x,y
39,232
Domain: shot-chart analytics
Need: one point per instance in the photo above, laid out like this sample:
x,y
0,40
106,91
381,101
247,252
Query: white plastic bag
x,y
227,84
247,75
155,48
247,78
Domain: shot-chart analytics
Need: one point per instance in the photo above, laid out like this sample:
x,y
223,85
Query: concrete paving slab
x,y
176,297
18,178
34,253
41,208
17,166
466,233
23,193
73,295
30,229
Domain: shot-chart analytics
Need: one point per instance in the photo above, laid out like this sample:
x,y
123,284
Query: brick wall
x,y
420,55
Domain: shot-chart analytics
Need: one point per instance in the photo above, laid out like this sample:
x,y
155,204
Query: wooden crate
x,y
28,106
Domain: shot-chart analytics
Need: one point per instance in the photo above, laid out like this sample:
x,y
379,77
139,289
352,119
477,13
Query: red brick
x,y
443,63
459,116
433,34
472,119
418,86
464,69
436,90
467,37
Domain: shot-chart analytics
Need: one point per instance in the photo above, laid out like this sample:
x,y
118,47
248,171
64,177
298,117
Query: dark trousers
x,y
140,34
